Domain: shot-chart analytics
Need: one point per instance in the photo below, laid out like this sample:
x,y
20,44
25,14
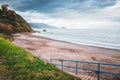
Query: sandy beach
x,y
46,48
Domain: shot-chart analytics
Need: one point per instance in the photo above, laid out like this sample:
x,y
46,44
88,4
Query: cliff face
x,y
10,22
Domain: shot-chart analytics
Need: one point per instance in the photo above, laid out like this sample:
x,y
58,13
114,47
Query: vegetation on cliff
x,y
10,22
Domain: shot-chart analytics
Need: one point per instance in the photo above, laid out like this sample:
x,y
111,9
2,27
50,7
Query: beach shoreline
x,y
46,48
64,50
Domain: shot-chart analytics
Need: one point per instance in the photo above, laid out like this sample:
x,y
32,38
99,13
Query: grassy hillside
x,y
18,64
11,22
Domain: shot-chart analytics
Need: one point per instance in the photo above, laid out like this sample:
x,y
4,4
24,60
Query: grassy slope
x,y
18,64
10,22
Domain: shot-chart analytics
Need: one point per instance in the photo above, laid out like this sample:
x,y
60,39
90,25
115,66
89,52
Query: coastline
x,y
87,37
46,48
82,44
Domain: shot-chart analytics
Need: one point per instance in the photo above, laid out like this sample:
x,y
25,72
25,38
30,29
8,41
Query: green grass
x,y
18,64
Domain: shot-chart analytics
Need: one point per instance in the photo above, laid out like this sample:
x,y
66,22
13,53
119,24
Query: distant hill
x,y
11,22
41,26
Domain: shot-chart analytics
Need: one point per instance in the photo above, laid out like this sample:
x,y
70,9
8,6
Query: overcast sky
x,y
69,13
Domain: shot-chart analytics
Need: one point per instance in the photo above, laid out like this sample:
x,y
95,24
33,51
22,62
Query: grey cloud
x,y
51,6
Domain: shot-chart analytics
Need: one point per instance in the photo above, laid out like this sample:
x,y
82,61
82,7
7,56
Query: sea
x,y
107,37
